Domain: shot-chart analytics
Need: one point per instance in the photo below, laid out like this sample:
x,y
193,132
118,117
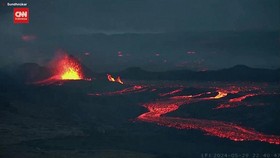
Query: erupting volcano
x,y
64,67
68,68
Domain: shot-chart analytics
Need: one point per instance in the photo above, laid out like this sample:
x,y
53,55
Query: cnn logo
x,y
21,15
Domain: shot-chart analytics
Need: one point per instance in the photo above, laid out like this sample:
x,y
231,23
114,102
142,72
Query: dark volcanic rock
x,y
30,72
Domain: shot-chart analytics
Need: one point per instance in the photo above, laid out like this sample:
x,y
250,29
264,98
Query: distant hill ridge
x,y
236,73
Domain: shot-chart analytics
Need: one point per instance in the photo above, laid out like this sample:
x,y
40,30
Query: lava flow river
x,y
216,128
172,100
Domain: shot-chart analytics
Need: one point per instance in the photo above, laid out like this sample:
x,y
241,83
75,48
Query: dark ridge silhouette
x,y
236,73
5,81
30,72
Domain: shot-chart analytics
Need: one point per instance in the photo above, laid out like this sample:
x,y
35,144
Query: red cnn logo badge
x,y
21,15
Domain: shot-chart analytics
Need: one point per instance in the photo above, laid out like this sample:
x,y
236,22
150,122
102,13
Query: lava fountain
x,y
68,68
64,67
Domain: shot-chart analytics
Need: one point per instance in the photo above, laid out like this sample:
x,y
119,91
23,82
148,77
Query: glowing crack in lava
x,y
171,93
157,109
112,79
64,67
235,102
129,90
239,99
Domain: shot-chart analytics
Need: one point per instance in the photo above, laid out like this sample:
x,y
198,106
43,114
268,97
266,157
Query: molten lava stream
x,y
171,93
215,128
129,90
239,99
235,102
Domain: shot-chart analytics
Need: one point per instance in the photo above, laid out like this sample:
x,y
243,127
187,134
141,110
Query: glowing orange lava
x,y
235,102
112,79
157,109
220,94
171,93
69,69
64,67
119,80
239,99
129,90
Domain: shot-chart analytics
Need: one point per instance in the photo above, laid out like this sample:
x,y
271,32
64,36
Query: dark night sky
x,y
153,34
